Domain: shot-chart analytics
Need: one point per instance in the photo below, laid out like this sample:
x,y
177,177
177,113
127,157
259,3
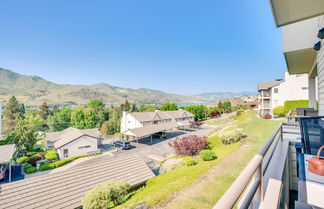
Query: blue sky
x,y
177,46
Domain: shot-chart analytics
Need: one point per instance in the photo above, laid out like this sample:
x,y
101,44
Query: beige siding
x,y
320,72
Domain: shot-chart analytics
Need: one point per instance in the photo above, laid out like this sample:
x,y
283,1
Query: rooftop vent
x,y
317,46
321,33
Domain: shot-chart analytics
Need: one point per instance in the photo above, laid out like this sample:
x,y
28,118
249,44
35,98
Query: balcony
x,y
270,179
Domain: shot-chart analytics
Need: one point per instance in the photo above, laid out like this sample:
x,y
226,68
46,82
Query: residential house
x,y
141,119
73,142
275,93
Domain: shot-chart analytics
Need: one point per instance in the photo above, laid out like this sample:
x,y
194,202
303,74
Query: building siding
x,y
74,147
320,71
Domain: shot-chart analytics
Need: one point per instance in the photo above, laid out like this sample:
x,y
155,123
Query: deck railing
x,y
250,181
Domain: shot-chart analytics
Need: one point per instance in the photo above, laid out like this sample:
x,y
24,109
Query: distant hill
x,y
216,96
33,90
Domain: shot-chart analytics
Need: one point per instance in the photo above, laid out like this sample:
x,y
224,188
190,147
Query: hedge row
x,y
294,104
59,163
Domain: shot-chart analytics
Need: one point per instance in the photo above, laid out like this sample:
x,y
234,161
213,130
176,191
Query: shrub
x,y
189,161
279,111
232,137
214,114
50,156
47,166
294,104
36,155
51,151
22,159
196,124
33,160
207,155
29,154
100,197
66,161
188,145
267,116
30,169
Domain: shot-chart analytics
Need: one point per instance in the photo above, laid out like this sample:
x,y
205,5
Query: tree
x,y
112,126
96,104
24,136
125,106
200,111
12,112
60,120
169,107
227,107
147,108
44,111
33,118
78,118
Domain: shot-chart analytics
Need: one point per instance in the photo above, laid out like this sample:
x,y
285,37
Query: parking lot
x,y
159,149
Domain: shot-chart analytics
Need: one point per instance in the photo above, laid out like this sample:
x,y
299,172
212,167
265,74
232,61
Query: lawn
x,y
183,178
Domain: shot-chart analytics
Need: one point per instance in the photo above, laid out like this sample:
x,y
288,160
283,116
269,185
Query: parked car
x,y
123,144
160,135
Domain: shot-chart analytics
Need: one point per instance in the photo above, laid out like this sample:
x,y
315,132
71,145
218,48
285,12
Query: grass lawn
x,y
207,193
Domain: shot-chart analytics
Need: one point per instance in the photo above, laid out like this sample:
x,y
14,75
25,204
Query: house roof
x,y
65,189
268,85
70,134
152,129
179,114
6,153
160,115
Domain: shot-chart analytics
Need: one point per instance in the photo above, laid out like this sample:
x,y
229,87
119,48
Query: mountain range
x,y
34,90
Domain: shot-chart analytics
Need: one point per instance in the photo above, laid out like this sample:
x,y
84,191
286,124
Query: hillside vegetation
x,y
34,90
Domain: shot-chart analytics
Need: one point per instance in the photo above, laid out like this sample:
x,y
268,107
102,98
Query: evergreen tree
x,y
44,111
12,112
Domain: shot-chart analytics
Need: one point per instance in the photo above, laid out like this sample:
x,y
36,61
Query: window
x,y
275,90
65,153
304,88
83,147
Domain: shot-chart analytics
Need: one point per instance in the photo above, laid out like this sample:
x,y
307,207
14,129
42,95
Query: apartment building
x,y
140,119
275,93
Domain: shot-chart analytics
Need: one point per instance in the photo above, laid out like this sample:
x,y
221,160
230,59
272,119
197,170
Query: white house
x,y
73,142
275,93
141,119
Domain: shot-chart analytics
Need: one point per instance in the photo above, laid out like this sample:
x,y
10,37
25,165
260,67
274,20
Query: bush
x,y
51,151
233,136
30,169
188,145
189,161
33,160
279,111
196,124
47,166
207,155
50,156
100,197
36,155
66,161
29,154
267,116
22,159
294,104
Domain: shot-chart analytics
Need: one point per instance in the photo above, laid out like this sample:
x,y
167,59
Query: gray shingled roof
x,y
6,153
150,116
268,85
70,134
179,114
152,129
65,189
